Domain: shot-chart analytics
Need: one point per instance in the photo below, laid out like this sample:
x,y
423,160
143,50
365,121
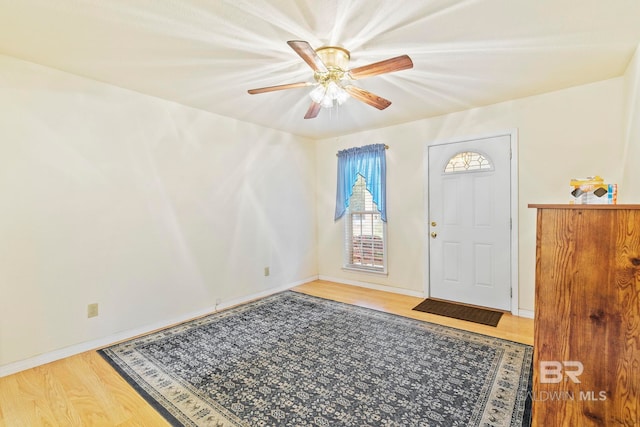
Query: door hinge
x,y
511,291
510,223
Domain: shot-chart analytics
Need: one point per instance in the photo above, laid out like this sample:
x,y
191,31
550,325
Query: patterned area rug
x,y
296,360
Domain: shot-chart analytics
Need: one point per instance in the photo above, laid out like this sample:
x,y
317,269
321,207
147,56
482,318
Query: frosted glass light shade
x,y
317,93
326,102
342,96
325,94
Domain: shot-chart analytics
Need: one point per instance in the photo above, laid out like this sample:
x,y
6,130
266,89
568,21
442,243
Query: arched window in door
x,y
467,161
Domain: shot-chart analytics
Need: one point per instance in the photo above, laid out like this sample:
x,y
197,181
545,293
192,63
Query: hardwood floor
x,y
83,390
512,328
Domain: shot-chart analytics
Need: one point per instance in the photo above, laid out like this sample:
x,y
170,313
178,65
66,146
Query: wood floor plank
x,y
84,390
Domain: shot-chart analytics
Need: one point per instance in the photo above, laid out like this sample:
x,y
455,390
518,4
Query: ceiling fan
x,y
333,77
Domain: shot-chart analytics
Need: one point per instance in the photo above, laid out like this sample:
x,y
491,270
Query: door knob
x,y
433,223
434,234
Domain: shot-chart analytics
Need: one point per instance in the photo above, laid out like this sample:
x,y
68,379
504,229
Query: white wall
x,y
630,186
570,133
147,207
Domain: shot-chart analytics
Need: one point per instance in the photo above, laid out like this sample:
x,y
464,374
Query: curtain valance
x,y
370,162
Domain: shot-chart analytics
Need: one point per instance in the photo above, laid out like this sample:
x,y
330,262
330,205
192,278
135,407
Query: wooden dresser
x,y
587,316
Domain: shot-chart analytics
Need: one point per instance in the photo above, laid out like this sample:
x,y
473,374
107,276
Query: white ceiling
x,y
207,53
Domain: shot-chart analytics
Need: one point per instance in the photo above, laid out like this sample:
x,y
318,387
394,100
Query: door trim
x,y
513,134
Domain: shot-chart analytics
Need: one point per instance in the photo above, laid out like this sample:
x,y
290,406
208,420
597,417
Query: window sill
x,y
365,270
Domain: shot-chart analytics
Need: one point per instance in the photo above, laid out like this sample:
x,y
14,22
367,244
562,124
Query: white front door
x,y
470,222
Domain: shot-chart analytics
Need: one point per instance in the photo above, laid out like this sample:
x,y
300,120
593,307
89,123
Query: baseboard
x,y
373,286
525,313
32,362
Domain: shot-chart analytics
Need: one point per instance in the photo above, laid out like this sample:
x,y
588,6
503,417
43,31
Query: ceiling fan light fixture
x,y
342,96
318,93
326,102
327,92
330,79
333,89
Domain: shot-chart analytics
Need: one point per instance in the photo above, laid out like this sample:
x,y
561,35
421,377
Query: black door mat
x,y
457,311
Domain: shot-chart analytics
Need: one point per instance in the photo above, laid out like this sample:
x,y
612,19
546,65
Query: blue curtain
x,y
370,162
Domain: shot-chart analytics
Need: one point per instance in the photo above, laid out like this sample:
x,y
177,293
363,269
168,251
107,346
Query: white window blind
x,y
365,232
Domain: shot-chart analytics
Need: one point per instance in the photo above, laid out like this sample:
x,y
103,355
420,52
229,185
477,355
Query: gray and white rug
x,y
296,360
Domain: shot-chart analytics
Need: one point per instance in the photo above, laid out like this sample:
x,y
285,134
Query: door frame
x,y
513,134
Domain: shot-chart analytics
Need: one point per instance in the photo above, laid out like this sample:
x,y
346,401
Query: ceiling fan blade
x,y
367,97
313,110
387,66
309,55
279,87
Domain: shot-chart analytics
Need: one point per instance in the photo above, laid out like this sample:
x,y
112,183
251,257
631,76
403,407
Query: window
x,y
467,161
365,238
365,208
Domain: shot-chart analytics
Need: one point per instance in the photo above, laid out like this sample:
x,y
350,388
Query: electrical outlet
x,y
266,271
92,310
